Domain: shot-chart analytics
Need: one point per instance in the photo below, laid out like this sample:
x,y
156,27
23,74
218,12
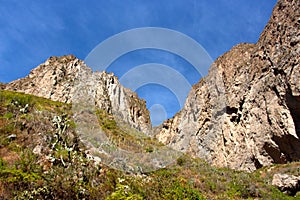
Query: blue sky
x,y
32,31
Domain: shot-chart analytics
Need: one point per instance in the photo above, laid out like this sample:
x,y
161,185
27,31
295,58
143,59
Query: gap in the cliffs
x,y
161,102
161,78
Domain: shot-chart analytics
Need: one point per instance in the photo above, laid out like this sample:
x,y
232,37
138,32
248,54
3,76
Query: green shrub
x,y
8,115
18,175
181,161
123,192
149,149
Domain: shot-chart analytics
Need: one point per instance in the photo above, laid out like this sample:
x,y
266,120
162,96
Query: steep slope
x,y
245,113
63,78
42,158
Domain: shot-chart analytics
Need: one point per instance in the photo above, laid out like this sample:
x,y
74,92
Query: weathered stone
x,y
12,137
288,184
246,113
60,79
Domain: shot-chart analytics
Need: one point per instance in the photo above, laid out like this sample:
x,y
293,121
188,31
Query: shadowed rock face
x,y
245,114
68,79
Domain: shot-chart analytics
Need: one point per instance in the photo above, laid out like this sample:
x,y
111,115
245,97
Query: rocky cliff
x,y
63,78
246,113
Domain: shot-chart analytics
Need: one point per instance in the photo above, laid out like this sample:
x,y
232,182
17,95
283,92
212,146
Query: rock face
x,y
246,113
287,183
62,78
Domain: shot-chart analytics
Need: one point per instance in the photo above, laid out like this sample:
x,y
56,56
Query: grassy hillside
x,y
41,157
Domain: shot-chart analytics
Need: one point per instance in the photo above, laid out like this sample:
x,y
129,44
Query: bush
x,y
123,192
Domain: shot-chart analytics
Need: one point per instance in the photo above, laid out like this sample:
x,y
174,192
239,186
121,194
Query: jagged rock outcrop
x,y
246,113
62,78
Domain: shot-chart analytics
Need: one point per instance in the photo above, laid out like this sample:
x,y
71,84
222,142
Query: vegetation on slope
x,y
41,157
125,137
